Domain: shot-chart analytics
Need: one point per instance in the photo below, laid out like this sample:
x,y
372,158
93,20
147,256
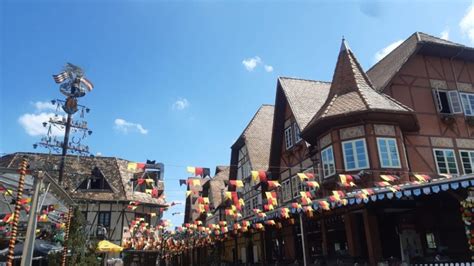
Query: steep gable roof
x,y
305,97
351,91
384,70
257,137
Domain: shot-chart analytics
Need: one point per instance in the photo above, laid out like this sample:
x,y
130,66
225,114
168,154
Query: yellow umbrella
x,y
108,247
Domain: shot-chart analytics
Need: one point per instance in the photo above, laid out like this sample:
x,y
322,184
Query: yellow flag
x,y
188,193
132,166
254,175
191,169
239,183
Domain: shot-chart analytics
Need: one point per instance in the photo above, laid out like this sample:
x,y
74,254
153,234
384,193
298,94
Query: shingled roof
x,y
351,91
305,97
77,169
257,137
384,70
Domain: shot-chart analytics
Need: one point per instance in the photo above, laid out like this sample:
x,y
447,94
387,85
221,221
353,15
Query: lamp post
x,y
74,85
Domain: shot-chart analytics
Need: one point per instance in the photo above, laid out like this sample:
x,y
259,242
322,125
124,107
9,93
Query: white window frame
x,y
454,101
296,130
333,172
466,105
286,190
289,137
354,153
446,161
471,160
389,153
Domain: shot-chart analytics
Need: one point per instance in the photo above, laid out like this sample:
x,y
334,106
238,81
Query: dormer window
x,y
96,181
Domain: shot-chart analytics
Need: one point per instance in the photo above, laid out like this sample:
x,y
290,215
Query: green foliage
x,y
82,253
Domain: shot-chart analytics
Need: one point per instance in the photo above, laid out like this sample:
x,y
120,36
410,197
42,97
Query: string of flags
x,y
307,202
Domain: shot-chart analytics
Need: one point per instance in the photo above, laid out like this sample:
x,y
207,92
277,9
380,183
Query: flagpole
x,y
64,148
16,215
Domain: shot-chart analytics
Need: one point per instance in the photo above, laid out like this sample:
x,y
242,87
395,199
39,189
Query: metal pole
x,y
303,244
65,147
16,214
28,246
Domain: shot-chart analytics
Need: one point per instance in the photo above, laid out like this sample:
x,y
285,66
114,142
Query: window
x,y
243,164
355,154
297,132
430,240
297,186
468,103
96,181
327,159
104,219
446,161
286,190
467,159
388,153
288,138
447,102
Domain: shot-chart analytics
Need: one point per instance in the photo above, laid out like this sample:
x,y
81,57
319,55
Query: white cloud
x,y
268,68
445,34
467,23
181,104
385,51
251,63
33,124
125,127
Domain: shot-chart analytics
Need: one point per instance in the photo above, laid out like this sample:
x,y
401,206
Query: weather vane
x,y
74,85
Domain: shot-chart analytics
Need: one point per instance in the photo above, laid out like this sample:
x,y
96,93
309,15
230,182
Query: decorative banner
x,y
306,176
261,176
271,198
337,195
347,180
237,183
423,178
135,166
194,182
467,215
324,205
270,222
312,184
285,213
273,184
182,182
389,178
296,205
305,197
199,171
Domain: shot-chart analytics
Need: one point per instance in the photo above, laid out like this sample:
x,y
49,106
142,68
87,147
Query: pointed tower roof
x,y
352,92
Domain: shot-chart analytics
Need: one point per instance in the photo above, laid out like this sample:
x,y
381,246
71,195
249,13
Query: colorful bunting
x,y
305,176
237,183
199,171
347,180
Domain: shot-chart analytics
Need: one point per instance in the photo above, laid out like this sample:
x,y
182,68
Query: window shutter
x,y
437,99
455,102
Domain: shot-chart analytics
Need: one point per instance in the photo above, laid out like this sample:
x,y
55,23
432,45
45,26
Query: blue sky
x,y
177,81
